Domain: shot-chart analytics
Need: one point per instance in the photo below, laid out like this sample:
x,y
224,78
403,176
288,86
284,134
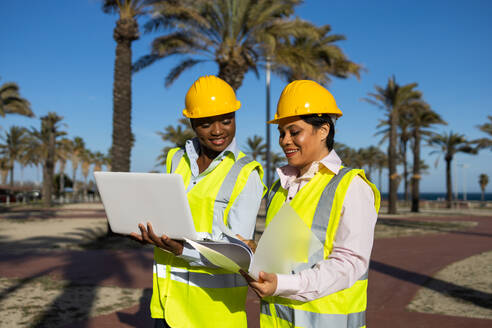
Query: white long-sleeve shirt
x,y
352,246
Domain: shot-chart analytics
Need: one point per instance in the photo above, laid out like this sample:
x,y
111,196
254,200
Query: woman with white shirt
x,y
329,289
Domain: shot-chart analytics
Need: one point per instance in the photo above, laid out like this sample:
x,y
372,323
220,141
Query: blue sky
x,y
61,53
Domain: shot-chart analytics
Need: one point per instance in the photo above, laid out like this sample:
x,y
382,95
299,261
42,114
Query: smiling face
x,y
302,143
215,133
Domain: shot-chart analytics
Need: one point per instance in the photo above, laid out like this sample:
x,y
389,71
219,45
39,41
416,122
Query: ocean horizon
x,y
472,196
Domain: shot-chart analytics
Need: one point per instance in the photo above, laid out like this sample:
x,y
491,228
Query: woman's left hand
x,y
250,242
266,284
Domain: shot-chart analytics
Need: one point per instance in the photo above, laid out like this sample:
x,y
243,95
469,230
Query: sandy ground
x,y
43,234
55,303
474,275
52,302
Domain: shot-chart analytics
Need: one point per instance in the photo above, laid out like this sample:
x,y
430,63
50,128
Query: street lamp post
x,y
455,182
268,159
464,167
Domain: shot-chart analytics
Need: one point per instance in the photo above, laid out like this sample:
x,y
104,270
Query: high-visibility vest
x,y
319,204
195,296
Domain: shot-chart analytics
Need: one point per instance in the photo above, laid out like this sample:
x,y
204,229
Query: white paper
x,y
215,257
286,242
231,256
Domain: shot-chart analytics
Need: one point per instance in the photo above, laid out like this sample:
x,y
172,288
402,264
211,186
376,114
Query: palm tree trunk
x,y
125,32
392,174
449,186
85,188
232,72
416,172
483,195
62,178
48,170
380,178
12,174
405,171
74,173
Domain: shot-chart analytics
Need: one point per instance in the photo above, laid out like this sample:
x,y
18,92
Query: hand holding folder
x,y
286,242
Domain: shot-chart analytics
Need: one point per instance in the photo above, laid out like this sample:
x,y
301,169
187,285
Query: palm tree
x,y
278,160
487,128
4,169
369,157
107,161
32,154
238,36
403,139
313,56
11,101
77,148
449,144
98,160
125,32
255,146
176,135
87,160
420,118
63,151
391,99
349,156
483,181
44,143
15,141
381,163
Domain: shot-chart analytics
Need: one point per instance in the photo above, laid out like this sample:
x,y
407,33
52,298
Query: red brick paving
x,y
399,267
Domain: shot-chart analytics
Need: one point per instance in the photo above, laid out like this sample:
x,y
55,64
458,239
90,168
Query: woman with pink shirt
x,y
329,288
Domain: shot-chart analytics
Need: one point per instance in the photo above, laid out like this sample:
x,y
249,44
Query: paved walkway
x,y
400,266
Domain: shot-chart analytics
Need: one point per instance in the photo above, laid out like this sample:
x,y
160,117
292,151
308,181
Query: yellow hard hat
x,y
304,97
210,96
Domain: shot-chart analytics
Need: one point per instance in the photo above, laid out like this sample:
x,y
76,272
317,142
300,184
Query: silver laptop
x,y
133,198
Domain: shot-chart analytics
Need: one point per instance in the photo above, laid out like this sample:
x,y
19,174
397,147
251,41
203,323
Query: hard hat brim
x,y
277,120
185,113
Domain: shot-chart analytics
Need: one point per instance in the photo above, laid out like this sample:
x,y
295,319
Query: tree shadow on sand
x,y
82,272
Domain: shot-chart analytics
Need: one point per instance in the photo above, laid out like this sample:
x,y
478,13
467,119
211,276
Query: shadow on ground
x,y
79,270
474,296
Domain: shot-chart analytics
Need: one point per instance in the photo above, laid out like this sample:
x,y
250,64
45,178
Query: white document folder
x,y
286,242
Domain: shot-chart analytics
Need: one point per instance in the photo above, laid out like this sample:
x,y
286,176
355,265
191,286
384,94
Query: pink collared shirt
x,y
352,247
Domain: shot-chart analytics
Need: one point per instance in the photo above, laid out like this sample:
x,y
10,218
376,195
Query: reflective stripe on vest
x,y
227,189
176,159
345,308
189,296
312,319
202,280
321,220
229,182
272,193
206,280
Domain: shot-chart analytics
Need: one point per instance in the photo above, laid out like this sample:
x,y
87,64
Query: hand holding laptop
x,y
131,199
147,236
